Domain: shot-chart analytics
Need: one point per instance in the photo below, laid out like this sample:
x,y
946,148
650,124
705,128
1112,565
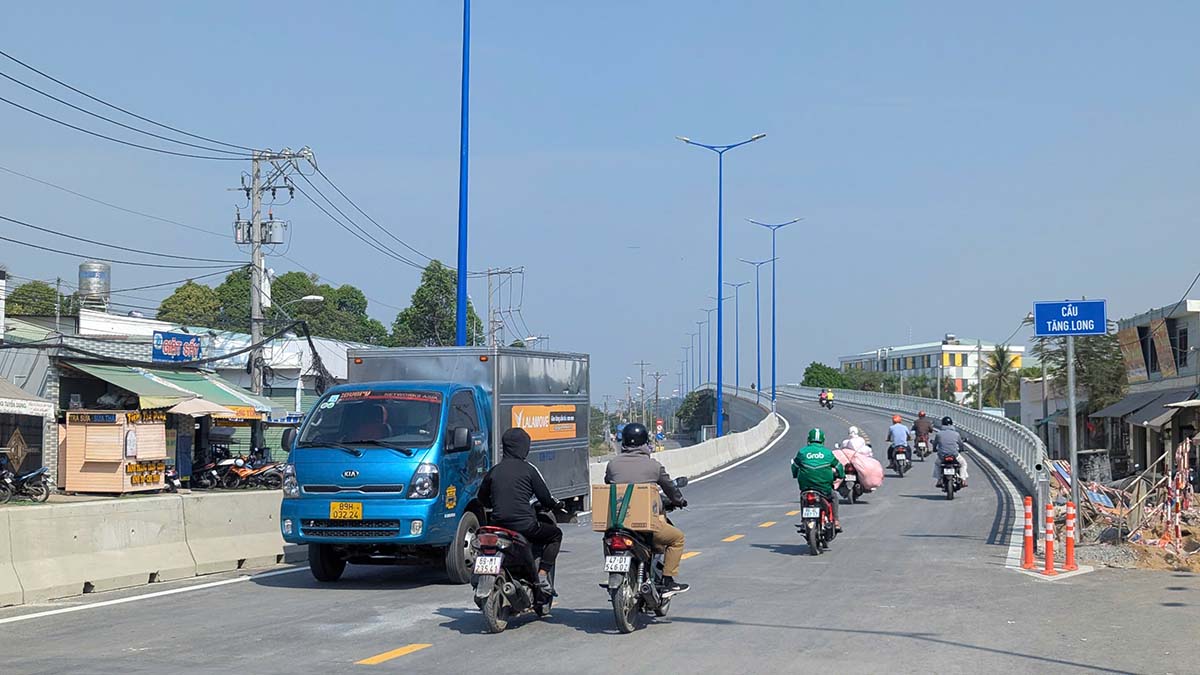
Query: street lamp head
x,y
755,137
685,139
1028,319
313,298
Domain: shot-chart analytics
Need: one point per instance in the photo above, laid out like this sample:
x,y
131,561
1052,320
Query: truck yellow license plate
x,y
345,510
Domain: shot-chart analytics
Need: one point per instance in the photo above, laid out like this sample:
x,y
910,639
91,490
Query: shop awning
x,y
214,389
16,401
151,394
1159,412
1127,405
198,407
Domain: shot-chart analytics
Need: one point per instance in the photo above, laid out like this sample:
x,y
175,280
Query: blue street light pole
x,y
737,331
700,333
460,318
720,150
757,322
708,325
774,228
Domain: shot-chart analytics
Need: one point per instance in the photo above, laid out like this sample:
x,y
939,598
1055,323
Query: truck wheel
x,y
460,557
324,563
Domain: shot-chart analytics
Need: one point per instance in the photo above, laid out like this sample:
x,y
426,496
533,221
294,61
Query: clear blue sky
x,y
953,163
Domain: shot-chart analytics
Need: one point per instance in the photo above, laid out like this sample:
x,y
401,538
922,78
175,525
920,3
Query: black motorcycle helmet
x,y
947,422
634,435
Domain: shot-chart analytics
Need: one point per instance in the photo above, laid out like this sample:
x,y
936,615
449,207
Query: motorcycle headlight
x,y
424,483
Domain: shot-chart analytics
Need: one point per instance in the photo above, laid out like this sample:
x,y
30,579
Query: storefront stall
x,y
115,452
22,420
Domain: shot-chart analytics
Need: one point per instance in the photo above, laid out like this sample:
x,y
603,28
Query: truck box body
x,y
545,393
359,497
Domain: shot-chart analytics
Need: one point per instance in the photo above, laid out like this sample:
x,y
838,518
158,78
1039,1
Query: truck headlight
x,y
424,483
290,487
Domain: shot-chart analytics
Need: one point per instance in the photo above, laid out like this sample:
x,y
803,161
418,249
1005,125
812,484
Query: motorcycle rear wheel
x,y
5,494
496,612
273,482
231,481
38,492
900,468
949,485
814,541
625,605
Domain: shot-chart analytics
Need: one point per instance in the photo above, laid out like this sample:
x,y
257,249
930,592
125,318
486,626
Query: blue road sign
x,y
1070,317
659,436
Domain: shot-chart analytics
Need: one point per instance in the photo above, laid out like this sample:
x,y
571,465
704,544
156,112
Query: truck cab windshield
x,y
390,419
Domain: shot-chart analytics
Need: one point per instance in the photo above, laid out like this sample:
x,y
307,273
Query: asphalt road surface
x,y
916,584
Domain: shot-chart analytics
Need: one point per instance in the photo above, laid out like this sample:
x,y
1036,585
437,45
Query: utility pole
x,y
657,379
979,373
628,399
642,364
57,305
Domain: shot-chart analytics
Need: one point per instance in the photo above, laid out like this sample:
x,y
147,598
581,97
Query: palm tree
x,y
1001,382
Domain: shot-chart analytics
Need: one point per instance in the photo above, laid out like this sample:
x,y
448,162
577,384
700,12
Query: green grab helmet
x,y
816,436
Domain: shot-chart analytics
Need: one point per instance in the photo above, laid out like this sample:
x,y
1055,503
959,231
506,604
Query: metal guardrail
x,y
1018,449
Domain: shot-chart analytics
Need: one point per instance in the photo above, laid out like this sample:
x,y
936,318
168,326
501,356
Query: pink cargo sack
x,y
870,471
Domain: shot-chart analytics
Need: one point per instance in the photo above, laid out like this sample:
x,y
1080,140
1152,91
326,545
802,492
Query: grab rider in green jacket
x,y
815,468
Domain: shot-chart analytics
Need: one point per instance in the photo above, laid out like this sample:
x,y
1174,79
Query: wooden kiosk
x,y
114,451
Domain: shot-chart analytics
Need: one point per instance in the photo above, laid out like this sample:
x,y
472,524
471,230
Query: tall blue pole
x,y
757,330
460,307
737,333
773,359
720,285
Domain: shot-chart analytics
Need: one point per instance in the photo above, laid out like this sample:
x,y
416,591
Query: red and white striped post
x,y
1027,561
1049,545
1070,562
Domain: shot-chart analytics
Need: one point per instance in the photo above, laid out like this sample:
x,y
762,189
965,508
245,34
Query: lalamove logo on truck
x,y
545,422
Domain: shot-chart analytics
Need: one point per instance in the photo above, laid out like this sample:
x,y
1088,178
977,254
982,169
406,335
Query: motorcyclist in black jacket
x,y
508,488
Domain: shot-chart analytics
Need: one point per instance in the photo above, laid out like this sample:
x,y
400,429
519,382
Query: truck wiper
x,y
407,452
330,444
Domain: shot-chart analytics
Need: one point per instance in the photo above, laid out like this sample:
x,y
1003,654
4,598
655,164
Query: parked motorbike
x,y
850,489
951,480
816,524
206,477
171,482
827,403
900,460
635,574
34,485
506,575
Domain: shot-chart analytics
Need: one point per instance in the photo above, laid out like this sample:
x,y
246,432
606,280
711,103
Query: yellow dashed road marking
x,y
690,554
394,654
733,537
767,524
792,513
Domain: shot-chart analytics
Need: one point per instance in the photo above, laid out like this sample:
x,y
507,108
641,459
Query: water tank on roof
x,y
95,284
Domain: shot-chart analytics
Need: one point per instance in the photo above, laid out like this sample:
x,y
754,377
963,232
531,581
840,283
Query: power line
x,y
368,217
120,124
115,246
332,281
116,140
109,260
358,227
118,108
112,206
351,231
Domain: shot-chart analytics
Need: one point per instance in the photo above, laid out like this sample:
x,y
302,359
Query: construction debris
x,y
1158,512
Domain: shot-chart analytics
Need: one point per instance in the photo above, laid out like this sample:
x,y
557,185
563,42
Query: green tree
x,y
920,385
947,390
1000,380
234,295
34,298
821,375
1100,374
191,304
696,410
863,380
429,320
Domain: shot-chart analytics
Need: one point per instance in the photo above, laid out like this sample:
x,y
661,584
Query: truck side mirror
x,y
289,438
461,440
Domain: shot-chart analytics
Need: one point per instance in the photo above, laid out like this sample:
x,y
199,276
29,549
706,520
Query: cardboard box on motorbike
x,y
643,513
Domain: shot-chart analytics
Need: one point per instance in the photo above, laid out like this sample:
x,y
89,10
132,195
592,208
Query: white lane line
x,y
148,596
1017,529
786,428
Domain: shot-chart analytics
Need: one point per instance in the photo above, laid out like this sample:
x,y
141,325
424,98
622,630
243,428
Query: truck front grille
x,y
372,489
351,528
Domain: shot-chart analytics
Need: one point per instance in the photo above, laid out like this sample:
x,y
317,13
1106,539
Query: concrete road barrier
x,y
699,459
11,592
228,531
60,550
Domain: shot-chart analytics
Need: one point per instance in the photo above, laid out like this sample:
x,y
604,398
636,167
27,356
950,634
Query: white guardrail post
x,y
1016,448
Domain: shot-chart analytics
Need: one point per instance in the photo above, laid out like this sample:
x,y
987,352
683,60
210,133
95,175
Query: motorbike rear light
x,y
810,499
487,539
620,543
